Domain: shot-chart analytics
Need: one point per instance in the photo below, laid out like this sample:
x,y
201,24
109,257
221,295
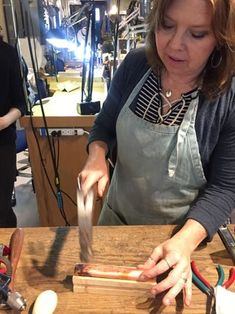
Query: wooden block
x,y
95,285
96,278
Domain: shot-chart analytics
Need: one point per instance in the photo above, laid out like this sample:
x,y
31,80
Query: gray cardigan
x,y
215,129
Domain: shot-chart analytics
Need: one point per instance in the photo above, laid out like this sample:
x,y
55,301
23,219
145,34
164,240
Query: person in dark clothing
x,y
107,71
12,106
170,111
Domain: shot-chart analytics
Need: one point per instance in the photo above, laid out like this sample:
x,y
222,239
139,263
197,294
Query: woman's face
x,y
185,40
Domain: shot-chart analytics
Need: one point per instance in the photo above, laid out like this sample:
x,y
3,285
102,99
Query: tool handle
x,y
16,244
228,240
231,278
197,274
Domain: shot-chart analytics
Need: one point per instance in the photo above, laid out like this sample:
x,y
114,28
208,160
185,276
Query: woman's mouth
x,y
175,59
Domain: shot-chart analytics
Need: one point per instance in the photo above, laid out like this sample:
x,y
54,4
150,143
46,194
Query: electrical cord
x,y
55,154
55,141
69,197
56,135
26,97
57,166
58,193
84,65
40,155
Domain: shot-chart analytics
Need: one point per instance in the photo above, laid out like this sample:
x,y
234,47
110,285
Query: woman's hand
x,y
96,169
174,255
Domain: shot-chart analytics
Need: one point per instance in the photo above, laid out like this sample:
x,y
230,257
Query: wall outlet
x,y
62,132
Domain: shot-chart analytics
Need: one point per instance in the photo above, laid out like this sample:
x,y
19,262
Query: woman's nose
x,y
177,41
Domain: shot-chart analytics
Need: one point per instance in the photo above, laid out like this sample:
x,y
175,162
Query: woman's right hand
x,y
96,169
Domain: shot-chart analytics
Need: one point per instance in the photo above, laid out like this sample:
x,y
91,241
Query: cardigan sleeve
x,y
216,201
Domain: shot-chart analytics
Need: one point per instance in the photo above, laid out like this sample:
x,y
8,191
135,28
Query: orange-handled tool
x,y
15,245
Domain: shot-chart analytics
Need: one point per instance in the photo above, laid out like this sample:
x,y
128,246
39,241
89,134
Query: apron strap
x,y
137,88
181,135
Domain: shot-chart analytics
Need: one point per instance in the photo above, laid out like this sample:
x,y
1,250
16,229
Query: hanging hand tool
x,y
84,212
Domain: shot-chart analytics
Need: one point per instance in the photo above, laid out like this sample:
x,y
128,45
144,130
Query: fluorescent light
x,y
61,43
113,10
97,14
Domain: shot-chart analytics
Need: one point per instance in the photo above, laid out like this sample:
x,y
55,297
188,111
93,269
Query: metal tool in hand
x,y
85,209
207,288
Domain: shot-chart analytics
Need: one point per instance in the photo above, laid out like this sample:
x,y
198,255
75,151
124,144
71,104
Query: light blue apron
x,y
158,172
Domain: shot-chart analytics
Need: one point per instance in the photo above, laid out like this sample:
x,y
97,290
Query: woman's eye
x,y
166,25
199,35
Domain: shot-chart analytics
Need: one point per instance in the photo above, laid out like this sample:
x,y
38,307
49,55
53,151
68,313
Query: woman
x,y
171,109
12,106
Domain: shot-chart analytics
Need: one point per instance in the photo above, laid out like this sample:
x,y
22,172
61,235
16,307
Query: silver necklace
x,y
163,117
168,93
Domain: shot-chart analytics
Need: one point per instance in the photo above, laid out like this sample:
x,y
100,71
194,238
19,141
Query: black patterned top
x,y
149,103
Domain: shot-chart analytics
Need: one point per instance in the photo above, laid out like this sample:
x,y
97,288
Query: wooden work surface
x,y
49,256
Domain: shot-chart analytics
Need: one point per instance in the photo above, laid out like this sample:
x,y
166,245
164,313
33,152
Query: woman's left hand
x,y
174,255
170,255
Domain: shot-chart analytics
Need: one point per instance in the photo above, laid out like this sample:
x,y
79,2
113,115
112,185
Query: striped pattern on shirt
x,y
149,103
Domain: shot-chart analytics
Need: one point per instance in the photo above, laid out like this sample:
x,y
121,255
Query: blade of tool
x,y
84,212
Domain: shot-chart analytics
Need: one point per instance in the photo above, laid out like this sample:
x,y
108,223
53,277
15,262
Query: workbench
x,y
49,256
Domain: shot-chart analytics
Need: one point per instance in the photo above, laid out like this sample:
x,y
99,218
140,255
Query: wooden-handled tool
x,y
16,244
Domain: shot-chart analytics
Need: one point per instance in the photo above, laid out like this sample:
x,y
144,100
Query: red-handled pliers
x,y
205,286
4,250
231,278
5,264
6,269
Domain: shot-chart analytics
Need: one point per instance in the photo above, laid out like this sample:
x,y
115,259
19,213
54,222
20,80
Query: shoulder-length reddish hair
x,y
220,68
